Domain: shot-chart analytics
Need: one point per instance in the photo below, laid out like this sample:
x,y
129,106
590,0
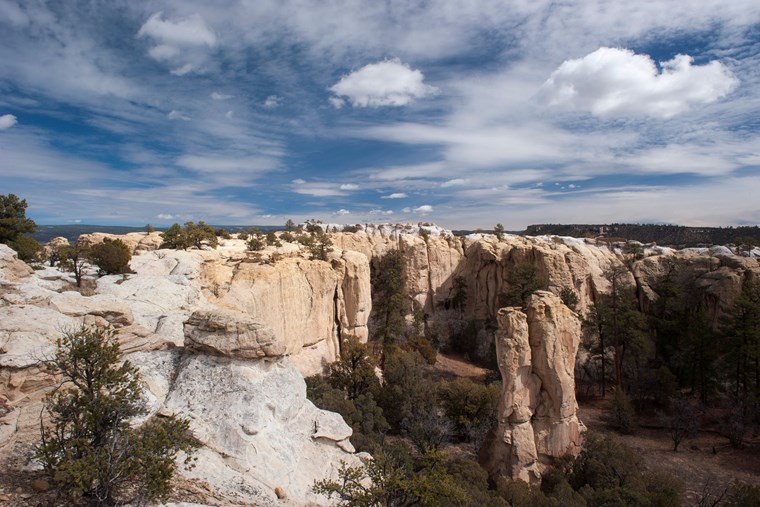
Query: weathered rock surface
x,y
431,262
230,334
307,304
537,411
11,268
249,409
259,430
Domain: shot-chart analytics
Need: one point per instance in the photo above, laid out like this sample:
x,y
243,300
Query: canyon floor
x,y
706,464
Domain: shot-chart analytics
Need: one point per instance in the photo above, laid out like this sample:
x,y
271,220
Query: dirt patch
x,y
449,367
706,461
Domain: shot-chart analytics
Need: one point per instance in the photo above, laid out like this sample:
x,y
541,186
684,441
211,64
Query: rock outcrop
x,y
258,429
225,333
308,304
224,370
136,241
537,422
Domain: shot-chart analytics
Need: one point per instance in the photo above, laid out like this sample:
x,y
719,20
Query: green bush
x,y
470,406
175,238
621,414
256,241
569,298
272,240
608,472
26,247
111,257
395,477
201,234
354,371
424,347
89,448
522,281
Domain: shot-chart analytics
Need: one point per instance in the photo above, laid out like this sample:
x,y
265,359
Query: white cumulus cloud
x,y
272,102
349,186
342,212
422,210
395,195
220,96
176,115
182,43
456,182
614,82
188,31
386,83
7,121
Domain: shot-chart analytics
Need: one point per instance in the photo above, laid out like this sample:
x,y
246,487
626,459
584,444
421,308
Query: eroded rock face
x,y
536,352
308,304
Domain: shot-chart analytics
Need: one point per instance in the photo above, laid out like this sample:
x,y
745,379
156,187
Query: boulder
x,y
11,268
230,334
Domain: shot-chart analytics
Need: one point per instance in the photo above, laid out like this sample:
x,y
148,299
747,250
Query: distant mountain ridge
x,y
71,232
666,235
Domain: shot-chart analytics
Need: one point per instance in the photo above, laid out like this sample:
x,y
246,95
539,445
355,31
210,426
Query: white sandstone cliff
x,y
226,372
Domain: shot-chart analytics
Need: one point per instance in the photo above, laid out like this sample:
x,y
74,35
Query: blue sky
x,y
464,113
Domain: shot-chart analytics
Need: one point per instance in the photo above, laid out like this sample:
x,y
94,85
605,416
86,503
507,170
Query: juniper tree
x,y
90,448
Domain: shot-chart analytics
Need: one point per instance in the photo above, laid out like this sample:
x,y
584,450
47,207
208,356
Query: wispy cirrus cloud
x,y
231,103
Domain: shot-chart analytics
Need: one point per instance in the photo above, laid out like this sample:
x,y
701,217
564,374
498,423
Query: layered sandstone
x,y
230,334
537,422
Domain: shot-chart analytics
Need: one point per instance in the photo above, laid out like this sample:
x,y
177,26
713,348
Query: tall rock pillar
x,y
537,423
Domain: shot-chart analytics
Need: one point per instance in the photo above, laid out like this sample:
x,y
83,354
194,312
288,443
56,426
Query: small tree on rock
x,y
498,231
73,258
175,238
200,234
111,257
90,449
256,241
320,246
